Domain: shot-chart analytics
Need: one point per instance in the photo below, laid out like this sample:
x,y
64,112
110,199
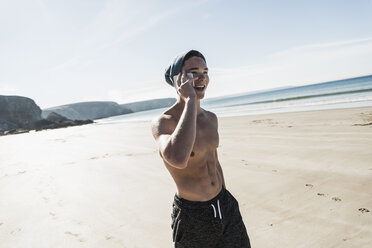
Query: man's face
x,y
198,68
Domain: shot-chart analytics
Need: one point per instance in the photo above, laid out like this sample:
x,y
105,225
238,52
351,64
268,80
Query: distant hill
x,y
98,110
87,110
149,104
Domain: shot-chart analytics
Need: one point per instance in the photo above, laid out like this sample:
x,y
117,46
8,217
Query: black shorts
x,y
215,223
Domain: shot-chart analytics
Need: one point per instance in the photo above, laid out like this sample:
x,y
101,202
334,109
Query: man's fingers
x,y
177,79
188,78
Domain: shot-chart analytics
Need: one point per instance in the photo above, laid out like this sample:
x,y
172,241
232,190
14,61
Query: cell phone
x,y
190,76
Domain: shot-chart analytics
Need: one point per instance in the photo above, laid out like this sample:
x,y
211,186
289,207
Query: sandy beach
x,y
302,180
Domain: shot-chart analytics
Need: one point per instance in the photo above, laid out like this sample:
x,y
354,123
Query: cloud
x,y
117,23
120,22
313,63
321,46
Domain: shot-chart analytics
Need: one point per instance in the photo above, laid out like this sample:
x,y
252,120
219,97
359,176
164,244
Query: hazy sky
x,y
63,51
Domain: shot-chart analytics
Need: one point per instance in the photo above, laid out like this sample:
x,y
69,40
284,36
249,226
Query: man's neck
x,y
181,103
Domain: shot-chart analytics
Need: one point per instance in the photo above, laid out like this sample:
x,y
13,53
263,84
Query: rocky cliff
x,y
88,110
54,120
18,112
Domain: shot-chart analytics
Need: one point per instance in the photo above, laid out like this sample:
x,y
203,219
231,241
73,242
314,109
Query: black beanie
x,y
175,67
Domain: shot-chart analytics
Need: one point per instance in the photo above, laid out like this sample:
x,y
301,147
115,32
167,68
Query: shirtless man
x,y
205,214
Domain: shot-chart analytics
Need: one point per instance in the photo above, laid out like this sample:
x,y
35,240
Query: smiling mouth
x,y
199,88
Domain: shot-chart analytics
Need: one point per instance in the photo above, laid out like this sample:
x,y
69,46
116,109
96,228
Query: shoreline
x,y
302,179
148,115
335,106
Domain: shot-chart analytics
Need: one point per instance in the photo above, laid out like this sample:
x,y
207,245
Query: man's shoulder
x,y
211,115
162,119
164,123
165,117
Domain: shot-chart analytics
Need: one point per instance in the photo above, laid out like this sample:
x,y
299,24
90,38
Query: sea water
x,y
346,93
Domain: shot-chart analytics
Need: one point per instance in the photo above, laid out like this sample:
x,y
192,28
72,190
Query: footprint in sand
x,y
363,210
336,199
366,117
108,237
266,121
73,234
245,162
257,121
77,222
309,185
103,156
321,194
14,232
76,235
53,215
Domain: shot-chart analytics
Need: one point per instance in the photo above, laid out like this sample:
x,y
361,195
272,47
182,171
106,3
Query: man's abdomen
x,y
198,182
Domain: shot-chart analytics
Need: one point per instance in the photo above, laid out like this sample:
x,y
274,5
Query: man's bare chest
x,y
206,139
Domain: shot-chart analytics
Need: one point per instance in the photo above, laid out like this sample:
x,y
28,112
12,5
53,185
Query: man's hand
x,y
184,86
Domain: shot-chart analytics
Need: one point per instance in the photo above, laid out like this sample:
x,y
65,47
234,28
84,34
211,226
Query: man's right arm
x,y
176,146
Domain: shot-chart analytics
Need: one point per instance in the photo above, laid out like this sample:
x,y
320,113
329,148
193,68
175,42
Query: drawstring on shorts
x,y
219,210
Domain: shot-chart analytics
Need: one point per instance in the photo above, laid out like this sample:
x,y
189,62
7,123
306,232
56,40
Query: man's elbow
x,y
178,161
179,165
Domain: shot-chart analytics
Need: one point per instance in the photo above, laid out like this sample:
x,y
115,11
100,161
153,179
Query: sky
x,y
65,51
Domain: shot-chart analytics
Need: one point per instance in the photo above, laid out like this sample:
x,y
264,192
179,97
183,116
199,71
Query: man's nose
x,y
201,76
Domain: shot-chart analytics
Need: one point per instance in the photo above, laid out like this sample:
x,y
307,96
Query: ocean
x,y
346,93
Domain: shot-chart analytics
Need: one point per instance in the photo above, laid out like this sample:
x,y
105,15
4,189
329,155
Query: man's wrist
x,y
190,99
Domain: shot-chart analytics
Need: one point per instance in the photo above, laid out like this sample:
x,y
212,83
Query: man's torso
x,y
200,180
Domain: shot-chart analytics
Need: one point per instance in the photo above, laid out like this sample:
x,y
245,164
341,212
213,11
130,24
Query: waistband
x,y
183,203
